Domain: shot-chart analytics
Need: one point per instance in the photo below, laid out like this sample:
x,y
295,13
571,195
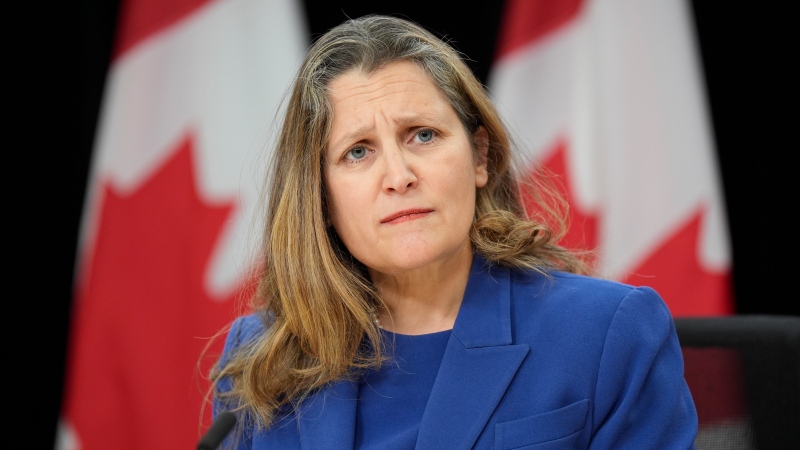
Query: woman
x,y
409,300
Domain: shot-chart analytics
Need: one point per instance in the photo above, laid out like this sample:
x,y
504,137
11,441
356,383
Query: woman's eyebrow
x,y
417,119
352,136
404,120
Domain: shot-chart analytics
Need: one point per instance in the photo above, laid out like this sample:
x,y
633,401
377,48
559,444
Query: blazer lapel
x,y
478,365
327,418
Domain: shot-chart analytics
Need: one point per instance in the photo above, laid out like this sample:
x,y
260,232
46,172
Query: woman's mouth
x,y
406,215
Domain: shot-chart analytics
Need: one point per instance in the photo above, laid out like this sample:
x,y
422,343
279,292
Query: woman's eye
x,y
425,135
356,153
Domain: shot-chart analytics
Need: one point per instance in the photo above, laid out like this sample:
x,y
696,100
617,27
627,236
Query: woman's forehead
x,y
401,94
398,75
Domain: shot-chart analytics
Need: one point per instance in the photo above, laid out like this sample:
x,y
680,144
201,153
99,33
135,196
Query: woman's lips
x,y
406,215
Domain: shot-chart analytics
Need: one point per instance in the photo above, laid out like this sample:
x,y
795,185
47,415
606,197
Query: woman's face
x,y
399,171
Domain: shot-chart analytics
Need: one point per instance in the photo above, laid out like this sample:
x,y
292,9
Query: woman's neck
x,y
425,300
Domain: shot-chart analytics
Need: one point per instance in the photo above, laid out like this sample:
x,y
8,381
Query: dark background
x,y
745,53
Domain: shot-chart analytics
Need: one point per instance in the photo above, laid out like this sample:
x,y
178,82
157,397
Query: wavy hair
x,y
314,297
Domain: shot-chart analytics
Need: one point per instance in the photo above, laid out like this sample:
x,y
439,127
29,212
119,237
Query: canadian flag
x,y
172,200
608,94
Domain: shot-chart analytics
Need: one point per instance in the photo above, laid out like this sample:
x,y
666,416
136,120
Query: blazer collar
x,y
484,318
478,365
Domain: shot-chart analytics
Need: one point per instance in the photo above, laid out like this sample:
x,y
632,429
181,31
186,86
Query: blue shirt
x,y
391,400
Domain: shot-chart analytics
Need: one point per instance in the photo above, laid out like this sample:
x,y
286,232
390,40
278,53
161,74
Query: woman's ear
x,y
481,140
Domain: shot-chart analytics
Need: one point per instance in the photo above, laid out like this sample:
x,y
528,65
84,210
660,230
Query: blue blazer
x,y
567,362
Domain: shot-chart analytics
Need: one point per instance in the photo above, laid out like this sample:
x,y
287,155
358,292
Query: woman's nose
x,y
399,176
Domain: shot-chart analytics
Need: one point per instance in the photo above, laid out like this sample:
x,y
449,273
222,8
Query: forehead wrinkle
x,y
376,86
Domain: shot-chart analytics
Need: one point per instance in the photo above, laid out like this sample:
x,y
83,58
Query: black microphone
x,y
220,428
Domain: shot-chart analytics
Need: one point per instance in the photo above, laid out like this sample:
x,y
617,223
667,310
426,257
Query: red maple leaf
x,y
674,270
582,233
142,316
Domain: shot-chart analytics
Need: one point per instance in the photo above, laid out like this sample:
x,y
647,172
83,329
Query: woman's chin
x,y
411,259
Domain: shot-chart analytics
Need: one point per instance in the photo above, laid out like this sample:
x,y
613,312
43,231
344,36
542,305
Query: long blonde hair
x,y
313,296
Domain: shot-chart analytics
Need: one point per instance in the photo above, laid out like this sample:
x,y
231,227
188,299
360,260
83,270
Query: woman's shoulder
x,y
244,329
566,283
579,295
589,315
